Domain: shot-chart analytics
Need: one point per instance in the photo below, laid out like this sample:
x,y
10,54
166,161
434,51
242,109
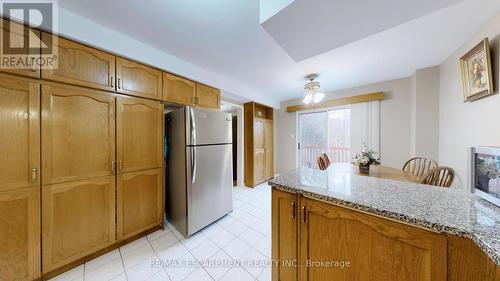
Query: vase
x,y
364,169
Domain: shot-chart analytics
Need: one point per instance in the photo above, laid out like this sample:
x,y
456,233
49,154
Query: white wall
x,y
425,113
394,124
465,124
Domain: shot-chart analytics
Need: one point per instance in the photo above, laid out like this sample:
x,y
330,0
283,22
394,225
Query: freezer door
x,y
209,184
204,126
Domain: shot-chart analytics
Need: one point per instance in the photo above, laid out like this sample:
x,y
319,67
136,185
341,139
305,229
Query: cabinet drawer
x,y
136,79
82,65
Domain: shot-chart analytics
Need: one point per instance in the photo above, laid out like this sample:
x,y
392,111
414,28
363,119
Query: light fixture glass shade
x,y
318,97
308,99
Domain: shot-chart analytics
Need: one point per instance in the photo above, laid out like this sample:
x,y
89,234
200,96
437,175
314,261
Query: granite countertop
x,y
444,210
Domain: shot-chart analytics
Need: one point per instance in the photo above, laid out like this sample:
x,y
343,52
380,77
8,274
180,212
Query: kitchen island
x,y
340,225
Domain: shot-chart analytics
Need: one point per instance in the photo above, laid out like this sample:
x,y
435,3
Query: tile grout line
x,y
123,263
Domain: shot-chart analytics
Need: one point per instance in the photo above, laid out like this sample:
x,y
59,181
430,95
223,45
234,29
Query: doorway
x,y
236,111
235,150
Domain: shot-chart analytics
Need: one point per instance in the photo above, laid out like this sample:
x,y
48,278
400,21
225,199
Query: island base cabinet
x,y
140,202
341,244
284,235
78,219
20,234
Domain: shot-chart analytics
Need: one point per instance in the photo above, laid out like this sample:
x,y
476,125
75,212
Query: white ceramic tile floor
x,y
236,247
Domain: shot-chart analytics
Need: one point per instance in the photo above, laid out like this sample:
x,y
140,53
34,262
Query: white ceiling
x,y
226,37
306,28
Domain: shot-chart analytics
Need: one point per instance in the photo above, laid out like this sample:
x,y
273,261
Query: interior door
x,y
78,133
209,184
139,134
20,133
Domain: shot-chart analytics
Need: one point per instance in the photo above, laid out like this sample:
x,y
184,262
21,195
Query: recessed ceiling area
x,y
306,28
225,37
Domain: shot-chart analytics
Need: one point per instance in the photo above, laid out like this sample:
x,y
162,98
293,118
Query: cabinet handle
x,y
304,214
112,81
120,165
34,174
293,210
113,164
119,83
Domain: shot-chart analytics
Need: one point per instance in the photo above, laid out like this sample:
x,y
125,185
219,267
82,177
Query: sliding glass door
x,y
326,131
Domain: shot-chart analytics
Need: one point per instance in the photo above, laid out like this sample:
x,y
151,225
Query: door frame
x,y
239,112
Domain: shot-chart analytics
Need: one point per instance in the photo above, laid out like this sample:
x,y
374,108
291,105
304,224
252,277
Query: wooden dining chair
x,y
419,166
323,161
439,176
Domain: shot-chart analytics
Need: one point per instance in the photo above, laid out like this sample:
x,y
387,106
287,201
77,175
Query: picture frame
x,y
477,77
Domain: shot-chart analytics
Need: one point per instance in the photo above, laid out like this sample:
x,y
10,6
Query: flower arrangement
x,y
366,158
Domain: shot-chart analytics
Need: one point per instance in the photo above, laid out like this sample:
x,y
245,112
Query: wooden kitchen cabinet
x,y
139,80
259,144
178,90
207,97
78,219
20,234
81,65
140,202
78,133
20,133
18,37
139,134
285,217
373,246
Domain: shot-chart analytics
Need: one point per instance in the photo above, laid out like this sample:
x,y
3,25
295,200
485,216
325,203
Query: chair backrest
x,y
419,166
439,176
323,161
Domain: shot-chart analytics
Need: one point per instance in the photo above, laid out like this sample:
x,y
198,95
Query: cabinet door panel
x,y
269,144
19,38
78,219
284,235
269,164
20,133
139,134
78,133
259,134
259,166
207,97
178,90
140,202
82,65
138,80
20,234
368,244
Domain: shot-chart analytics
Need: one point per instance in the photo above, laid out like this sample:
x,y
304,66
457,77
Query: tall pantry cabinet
x,y
259,143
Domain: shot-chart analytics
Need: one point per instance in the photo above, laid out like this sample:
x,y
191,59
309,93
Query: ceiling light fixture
x,y
312,90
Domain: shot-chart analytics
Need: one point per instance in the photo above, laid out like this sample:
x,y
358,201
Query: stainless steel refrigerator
x,y
199,177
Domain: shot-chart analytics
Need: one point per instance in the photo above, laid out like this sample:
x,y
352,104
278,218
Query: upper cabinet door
x,y
139,128
20,39
178,90
78,133
207,97
82,65
20,133
136,79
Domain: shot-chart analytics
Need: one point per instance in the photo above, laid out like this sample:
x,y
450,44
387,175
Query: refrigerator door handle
x,y
192,125
193,164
